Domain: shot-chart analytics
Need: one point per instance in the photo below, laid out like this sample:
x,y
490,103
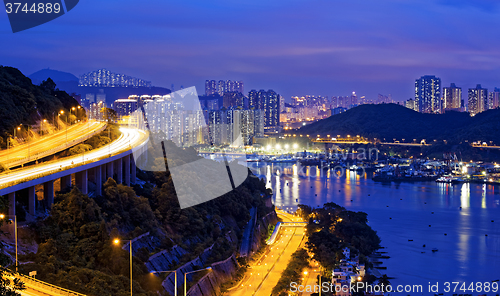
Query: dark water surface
x,y
465,253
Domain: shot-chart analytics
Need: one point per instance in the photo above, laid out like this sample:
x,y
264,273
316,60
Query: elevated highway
x,y
48,145
113,160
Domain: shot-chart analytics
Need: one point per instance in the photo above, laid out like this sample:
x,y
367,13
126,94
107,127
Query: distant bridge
x,y
324,141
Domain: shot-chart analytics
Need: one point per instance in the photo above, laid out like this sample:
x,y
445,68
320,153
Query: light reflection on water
x,y
423,212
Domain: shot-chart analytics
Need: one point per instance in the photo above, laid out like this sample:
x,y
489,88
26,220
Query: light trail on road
x,y
128,138
264,274
27,152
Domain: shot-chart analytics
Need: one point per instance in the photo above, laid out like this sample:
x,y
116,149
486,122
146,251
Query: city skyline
x,y
241,148
330,54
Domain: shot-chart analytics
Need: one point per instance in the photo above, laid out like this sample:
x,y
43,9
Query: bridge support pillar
x,y
65,182
98,180
32,200
48,193
133,177
12,203
127,169
110,170
82,181
103,173
119,171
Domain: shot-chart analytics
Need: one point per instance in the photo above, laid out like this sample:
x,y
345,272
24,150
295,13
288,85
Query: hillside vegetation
x,y
22,102
76,249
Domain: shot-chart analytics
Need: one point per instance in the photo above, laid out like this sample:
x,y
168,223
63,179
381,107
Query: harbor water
x,y
461,221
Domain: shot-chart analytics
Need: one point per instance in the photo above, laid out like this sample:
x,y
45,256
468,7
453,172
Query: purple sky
x,y
326,47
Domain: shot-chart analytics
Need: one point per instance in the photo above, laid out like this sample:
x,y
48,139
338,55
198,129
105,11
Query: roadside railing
x,y
44,287
41,286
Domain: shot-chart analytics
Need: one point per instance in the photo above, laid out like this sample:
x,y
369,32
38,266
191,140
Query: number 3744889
x,y
19,7
474,287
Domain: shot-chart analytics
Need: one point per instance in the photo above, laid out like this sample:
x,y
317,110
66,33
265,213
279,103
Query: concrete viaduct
x,y
120,166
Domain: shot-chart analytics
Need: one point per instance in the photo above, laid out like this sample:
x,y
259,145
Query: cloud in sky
x,y
295,47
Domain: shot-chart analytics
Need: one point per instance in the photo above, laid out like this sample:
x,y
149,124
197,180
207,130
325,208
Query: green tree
x,y
8,287
49,85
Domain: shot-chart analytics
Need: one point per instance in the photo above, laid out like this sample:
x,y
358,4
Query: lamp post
x,y
319,280
185,277
72,108
116,242
62,112
2,216
175,279
77,111
28,139
18,128
41,126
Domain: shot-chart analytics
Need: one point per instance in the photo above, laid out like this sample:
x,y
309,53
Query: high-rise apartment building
x,y
221,87
269,102
493,100
124,107
238,86
428,94
452,97
252,98
233,99
272,109
282,103
105,78
410,104
210,87
477,100
235,127
354,100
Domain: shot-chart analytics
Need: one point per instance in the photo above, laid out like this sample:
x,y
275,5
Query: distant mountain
x,y
391,121
56,76
21,102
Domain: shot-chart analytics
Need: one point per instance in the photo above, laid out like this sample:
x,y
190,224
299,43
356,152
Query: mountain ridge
x,y
392,121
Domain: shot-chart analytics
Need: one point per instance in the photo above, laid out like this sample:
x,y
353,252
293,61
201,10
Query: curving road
x,y
264,274
129,138
50,144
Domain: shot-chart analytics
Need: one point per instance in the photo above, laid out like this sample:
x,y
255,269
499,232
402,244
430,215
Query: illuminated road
x,y
129,138
264,274
49,144
486,147
36,287
367,142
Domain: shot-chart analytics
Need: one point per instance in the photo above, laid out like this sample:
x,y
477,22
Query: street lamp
x,y
2,216
10,142
185,277
72,108
62,113
41,126
175,281
18,128
116,242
